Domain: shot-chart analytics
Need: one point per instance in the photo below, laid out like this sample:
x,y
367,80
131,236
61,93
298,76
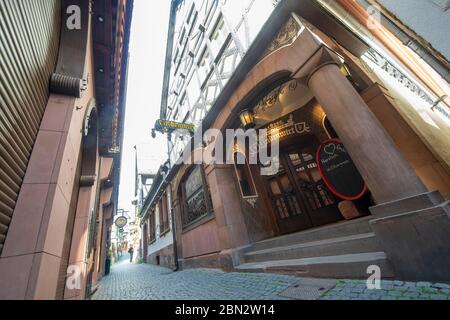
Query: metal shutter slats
x,y
12,49
29,43
11,127
31,82
15,150
37,42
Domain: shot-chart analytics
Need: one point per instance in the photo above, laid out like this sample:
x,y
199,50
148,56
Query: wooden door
x,y
299,196
291,213
320,203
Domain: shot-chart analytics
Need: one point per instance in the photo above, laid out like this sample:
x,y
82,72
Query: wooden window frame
x,y
206,194
249,173
164,225
152,228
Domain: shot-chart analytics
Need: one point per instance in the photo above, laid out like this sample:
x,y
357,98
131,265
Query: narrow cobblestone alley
x,y
129,281
145,282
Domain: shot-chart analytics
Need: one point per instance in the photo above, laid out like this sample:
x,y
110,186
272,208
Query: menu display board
x,y
339,172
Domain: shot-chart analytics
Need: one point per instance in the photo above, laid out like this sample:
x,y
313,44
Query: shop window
x,y
163,215
244,177
196,197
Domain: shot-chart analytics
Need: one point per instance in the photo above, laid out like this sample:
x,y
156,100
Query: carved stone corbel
x,y
314,54
87,181
70,77
67,85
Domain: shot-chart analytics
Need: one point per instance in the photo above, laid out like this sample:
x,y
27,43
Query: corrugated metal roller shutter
x,y
29,41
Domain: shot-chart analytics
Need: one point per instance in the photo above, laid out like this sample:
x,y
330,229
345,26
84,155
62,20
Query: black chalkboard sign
x,y
339,172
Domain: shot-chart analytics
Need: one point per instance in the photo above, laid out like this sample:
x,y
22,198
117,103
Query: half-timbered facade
x,y
210,38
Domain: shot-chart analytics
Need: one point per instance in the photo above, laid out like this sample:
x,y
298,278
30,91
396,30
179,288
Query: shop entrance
x,y
299,196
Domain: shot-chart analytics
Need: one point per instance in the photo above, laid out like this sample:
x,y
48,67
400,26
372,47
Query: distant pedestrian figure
x,y
119,252
131,252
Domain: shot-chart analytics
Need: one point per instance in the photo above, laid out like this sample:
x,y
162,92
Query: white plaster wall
x,y
167,239
161,243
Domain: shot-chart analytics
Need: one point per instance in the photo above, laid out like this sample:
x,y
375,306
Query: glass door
x,y
291,213
299,196
320,203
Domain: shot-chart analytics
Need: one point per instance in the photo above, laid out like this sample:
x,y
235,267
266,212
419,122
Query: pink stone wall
x,y
31,259
201,241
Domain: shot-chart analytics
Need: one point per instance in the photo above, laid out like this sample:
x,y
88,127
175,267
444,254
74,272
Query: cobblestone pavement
x,y
144,282
390,290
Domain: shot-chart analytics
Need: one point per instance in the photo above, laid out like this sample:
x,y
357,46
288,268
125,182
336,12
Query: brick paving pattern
x,y
144,282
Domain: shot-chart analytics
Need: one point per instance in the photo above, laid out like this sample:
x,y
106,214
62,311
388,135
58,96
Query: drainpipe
x,y
175,249
174,234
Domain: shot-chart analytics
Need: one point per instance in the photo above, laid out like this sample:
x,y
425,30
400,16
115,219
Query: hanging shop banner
x,y
339,172
171,125
121,222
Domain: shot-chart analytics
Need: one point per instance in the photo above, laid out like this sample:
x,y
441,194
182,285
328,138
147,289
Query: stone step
x,y
360,243
350,266
340,229
416,203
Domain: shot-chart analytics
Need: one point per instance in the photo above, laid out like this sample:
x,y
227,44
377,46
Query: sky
x,y
145,76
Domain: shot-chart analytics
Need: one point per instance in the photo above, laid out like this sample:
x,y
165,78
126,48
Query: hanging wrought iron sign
x,y
121,222
339,172
165,125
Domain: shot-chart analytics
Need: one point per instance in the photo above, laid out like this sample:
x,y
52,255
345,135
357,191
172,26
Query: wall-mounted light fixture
x,y
344,70
247,119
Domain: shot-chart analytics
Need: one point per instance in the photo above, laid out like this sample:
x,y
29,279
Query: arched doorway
x,y
299,196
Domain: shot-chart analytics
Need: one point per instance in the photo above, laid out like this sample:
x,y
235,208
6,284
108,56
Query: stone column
x,y
387,173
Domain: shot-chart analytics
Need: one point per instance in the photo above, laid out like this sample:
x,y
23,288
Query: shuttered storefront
x,y
29,41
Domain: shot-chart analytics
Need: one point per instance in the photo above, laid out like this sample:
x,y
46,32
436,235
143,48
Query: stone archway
x,y
312,62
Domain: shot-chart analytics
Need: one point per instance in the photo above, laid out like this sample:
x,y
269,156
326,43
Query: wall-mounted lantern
x,y
247,119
